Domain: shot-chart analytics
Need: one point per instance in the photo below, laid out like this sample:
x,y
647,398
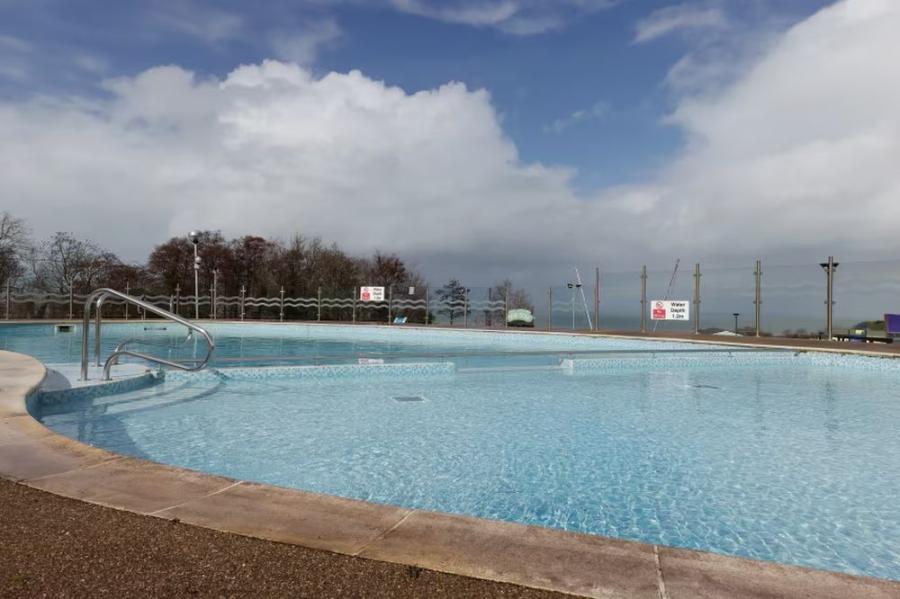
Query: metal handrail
x,y
99,296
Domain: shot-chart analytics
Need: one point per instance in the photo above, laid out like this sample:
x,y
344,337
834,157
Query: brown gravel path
x,y
51,546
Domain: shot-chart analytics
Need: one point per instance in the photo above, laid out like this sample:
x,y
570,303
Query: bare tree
x,y
14,243
64,262
515,298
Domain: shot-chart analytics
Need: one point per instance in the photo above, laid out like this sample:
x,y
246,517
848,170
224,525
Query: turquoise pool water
x,y
782,457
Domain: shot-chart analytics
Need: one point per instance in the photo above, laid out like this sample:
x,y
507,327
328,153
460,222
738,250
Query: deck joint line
x,y
111,460
383,533
214,493
660,581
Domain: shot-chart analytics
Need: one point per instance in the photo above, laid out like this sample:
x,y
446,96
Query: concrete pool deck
x,y
530,556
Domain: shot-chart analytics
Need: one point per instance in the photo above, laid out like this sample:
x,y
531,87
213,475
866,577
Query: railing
x,y
98,297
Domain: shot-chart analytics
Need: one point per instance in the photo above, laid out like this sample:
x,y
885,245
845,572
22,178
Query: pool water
x,y
781,457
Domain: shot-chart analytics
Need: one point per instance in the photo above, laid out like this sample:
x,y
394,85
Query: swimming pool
x,y
776,456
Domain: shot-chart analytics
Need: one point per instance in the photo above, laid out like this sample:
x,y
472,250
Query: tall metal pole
x,y
319,304
549,308
194,236
71,302
644,299
426,306
215,293
597,299
243,294
573,306
829,267
127,292
281,305
355,296
758,298
7,299
697,299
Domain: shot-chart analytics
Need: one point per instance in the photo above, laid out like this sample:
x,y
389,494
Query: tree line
x,y
64,264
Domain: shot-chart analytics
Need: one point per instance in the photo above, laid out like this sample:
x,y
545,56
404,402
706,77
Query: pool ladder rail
x,y
98,297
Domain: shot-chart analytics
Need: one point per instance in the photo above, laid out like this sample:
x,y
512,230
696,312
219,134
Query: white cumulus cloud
x,y
796,157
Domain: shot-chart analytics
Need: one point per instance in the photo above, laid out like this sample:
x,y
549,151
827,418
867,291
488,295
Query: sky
x,y
475,138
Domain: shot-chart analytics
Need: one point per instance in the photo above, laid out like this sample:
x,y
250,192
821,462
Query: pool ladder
x,y
98,297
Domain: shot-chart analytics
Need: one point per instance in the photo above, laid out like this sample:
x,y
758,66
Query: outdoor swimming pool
x,y
770,455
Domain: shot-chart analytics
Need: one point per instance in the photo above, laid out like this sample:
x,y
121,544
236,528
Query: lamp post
x,y
194,236
735,314
829,268
573,287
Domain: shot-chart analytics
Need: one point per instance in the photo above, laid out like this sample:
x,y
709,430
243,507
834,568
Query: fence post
x,y
319,304
71,302
549,308
281,308
215,293
7,299
466,308
426,306
506,307
597,298
390,302
177,299
127,292
697,299
644,299
355,296
243,295
758,296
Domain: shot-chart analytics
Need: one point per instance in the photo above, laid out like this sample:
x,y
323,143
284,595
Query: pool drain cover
x,y
406,398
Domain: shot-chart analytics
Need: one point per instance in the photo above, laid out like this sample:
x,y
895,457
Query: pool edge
x,y
531,556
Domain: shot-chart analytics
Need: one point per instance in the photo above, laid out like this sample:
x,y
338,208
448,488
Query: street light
x,y
573,287
735,314
194,236
829,268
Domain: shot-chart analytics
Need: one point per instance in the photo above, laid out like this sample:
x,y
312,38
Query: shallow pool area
x,y
781,456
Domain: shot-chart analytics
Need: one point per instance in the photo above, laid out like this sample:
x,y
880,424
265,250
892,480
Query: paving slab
x,y
134,485
52,454
317,521
528,555
699,575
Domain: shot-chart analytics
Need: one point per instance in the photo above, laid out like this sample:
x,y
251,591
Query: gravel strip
x,y
52,546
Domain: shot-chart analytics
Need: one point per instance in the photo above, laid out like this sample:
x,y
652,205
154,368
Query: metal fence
x,y
806,299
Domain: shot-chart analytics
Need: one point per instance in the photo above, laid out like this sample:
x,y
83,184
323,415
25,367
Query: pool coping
x,y
532,556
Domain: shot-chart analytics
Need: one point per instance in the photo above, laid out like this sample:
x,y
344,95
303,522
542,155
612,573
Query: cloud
x,y
597,111
794,158
516,17
302,45
679,17
208,24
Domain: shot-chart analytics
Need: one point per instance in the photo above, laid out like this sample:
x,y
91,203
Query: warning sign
x,y
371,294
670,310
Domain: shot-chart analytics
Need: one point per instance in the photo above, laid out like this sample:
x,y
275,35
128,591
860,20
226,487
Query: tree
x,y
64,262
515,298
452,298
14,243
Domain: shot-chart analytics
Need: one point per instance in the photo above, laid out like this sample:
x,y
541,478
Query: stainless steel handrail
x,y
99,296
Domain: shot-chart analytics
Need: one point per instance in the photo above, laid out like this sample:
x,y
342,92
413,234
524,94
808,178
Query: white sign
x,y
670,310
371,294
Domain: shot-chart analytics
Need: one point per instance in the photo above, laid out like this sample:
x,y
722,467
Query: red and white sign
x,y
670,310
371,294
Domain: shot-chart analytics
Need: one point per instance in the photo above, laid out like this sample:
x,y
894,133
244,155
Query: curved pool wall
x,y
783,457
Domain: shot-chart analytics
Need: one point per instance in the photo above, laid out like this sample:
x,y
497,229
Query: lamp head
x,y
194,236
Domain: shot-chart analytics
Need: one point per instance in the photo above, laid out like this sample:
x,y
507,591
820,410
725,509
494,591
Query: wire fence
x,y
780,300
